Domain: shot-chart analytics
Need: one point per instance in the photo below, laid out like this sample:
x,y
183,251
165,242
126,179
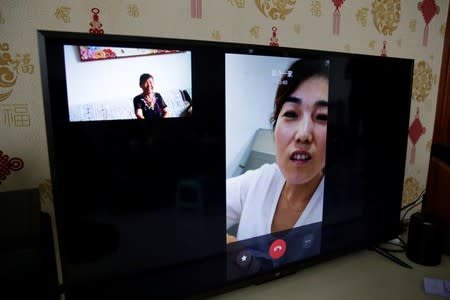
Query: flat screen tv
x,y
184,168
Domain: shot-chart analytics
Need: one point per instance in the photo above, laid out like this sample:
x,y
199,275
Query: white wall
x,y
250,93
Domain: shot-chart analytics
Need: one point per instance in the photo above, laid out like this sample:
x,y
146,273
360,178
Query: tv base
x,y
391,257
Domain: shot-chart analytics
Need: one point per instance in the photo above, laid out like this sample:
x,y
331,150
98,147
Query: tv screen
x,y
188,168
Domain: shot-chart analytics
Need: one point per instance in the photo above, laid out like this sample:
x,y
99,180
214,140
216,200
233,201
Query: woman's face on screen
x,y
147,86
301,131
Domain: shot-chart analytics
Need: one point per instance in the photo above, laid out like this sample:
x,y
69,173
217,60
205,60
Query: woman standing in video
x,y
149,105
288,193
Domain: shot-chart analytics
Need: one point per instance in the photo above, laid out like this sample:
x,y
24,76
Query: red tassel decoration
x,y
196,9
384,50
412,158
336,22
425,36
337,16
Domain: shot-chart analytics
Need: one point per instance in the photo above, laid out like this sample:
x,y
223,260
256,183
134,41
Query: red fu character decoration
x,y
337,16
429,9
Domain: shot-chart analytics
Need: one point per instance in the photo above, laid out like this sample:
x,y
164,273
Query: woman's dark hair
x,y
296,74
144,77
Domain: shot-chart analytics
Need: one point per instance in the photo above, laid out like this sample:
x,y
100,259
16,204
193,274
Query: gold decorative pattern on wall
x,y
386,15
10,68
411,190
275,9
428,145
237,3
46,196
133,10
412,25
442,30
63,13
14,115
216,35
297,28
361,16
2,20
254,31
316,8
422,81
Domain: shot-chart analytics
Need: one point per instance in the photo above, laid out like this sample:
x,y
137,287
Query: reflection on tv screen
x,y
110,83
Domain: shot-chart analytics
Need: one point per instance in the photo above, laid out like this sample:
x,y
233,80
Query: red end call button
x,y
277,249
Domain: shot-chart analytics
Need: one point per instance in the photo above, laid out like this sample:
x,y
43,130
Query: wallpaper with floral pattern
x,y
397,28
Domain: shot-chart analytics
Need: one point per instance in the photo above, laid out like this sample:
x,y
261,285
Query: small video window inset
x,y
112,83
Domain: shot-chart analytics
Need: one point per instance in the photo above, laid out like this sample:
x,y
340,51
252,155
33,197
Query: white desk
x,y
361,275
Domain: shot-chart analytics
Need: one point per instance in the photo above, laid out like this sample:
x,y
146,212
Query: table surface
x,y
361,275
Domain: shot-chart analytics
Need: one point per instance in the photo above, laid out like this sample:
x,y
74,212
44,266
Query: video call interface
x,y
251,83
251,146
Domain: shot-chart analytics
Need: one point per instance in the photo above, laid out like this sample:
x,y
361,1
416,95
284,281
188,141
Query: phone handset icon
x,y
277,249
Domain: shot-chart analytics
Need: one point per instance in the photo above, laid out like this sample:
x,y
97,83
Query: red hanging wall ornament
x,y
416,130
384,50
274,40
8,164
337,16
196,9
96,26
429,9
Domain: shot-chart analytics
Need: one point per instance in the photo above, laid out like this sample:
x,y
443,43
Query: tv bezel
x,y
49,39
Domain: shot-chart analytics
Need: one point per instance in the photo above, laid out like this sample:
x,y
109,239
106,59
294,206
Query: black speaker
x,y
425,239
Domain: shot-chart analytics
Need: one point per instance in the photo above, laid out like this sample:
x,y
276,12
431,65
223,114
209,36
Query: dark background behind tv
x,y
140,205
